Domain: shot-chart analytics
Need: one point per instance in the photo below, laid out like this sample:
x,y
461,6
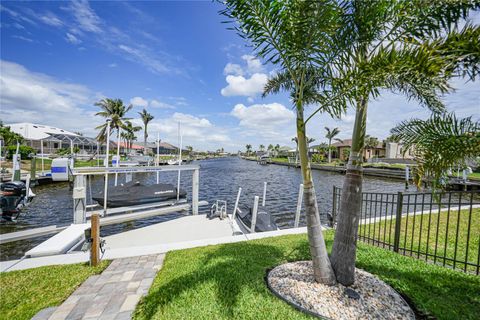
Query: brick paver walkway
x,y
114,293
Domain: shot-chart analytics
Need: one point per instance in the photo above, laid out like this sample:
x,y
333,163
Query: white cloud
x,y
267,121
86,18
196,131
72,39
113,65
27,96
22,38
143,103
234,69
141,56
161,105
51,20
254,65
240,86
139,102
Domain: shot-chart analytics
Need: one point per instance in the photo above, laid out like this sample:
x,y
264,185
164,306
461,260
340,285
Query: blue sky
x,y
176,59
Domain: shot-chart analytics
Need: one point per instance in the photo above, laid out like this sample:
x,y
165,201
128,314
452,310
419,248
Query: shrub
x,y
24,151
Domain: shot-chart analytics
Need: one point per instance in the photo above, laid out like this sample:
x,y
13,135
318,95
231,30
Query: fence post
x,y
398,221
95,234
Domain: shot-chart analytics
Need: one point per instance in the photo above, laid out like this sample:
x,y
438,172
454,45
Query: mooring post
x,y
95,234
236,203
195,185
33,169
299,206
79,199
264,193
398,222
254,214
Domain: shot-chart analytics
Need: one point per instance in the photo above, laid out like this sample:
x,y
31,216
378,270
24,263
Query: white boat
x,y
174,162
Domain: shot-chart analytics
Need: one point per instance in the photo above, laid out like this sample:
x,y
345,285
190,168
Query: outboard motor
x,y
13,199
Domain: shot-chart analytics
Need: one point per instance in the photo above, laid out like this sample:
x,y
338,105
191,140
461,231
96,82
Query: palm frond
x,y
440,142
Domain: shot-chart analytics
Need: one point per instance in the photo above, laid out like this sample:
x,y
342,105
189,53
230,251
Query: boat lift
x,y
69,238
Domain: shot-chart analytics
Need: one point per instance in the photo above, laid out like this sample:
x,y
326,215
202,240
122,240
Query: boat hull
x,y
135,193
265,220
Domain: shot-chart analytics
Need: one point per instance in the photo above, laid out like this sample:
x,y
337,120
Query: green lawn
x,y
414,234
227,282
24,293
474,176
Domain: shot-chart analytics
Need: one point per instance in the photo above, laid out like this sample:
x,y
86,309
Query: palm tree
x,y
277,149
249,149
129,134
331,133
287,34
112,109
439,143
409,47
261,147
146,118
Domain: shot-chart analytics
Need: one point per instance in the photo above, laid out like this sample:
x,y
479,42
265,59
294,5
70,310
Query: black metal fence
x,y
443,228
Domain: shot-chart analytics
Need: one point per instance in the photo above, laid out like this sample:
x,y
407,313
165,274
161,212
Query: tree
x,y
276,149
112,109
330,135
146,118
9,137
409,47
249,149
261,147
287,34
439,143
129,134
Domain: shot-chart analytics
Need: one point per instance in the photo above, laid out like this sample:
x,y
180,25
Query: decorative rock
x,y
367,298
352,294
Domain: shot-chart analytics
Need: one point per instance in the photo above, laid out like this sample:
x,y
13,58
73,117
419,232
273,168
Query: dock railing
x,y
441,227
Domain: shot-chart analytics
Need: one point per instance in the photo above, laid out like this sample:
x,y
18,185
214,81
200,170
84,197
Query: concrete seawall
x,y
374,172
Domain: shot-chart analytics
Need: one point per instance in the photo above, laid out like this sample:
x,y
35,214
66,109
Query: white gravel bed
x,y
295,283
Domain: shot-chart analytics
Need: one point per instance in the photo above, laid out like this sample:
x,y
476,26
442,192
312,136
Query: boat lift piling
x,y
264,193
157,157
299,206
254,214
117,161
106,169
236,203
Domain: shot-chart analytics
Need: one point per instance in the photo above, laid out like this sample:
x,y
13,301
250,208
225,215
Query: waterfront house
x,y
54,139
342,150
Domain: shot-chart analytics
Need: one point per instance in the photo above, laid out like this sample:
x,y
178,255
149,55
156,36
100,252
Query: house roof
x,y
32,131
124,145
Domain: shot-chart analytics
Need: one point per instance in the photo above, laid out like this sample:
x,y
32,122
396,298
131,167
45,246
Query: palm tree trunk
x,y
329,150
322,268
345,243
145,140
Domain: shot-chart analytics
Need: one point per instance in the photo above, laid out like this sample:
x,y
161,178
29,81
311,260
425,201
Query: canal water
x,y
219,179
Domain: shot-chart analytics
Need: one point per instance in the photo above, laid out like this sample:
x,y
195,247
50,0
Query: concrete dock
x,y
183,233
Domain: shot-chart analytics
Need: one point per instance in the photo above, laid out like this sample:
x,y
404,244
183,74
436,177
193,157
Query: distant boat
x,y
174,162
134,193
141,160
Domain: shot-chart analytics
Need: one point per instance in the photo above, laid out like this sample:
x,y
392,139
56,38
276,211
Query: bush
x,y
24,151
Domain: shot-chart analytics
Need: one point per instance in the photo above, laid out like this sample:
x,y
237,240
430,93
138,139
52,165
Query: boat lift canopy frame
x,y
80,175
